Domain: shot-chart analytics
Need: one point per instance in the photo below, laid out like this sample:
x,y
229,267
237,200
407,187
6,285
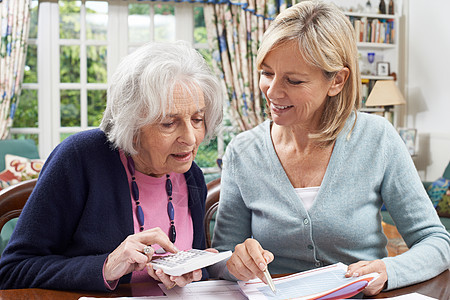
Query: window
x,y
75,46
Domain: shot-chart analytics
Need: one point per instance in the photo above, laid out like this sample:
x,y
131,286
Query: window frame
x,y
48,64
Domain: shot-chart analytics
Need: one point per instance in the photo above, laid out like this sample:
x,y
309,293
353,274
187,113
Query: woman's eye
x,y
168,124
265,73
198,120
294,82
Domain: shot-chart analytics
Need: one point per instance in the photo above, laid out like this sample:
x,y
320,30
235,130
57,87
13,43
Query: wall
x,y
427,84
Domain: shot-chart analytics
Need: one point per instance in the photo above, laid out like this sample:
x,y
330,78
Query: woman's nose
x,y
187,135
275,89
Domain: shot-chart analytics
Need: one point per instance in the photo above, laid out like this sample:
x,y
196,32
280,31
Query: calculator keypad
x,y
187,261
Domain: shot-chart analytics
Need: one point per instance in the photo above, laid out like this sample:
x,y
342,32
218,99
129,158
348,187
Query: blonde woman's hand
x,y
249,260
366,267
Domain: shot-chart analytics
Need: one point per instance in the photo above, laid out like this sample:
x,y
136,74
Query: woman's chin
x,y
181,166
280,121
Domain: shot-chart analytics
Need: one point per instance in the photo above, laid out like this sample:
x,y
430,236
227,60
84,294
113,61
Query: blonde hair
x,y
142,88
326,39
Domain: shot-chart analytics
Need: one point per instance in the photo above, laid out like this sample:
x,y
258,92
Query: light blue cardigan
x,y
369,167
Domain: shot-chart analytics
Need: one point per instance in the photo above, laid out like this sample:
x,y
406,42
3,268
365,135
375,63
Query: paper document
x,y
211,289
127,298
412,296
328,281
206,290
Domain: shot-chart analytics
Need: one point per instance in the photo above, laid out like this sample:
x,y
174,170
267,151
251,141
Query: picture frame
x,y
383,68
409,137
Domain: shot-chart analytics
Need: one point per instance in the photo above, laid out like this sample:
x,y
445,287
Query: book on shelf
x,y
374,30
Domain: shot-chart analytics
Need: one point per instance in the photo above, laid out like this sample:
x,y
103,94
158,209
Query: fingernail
x,y
262,266
355,274
266,258
175,247
159,272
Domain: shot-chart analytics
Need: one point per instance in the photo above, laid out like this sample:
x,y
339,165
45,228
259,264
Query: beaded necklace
x,y
139,212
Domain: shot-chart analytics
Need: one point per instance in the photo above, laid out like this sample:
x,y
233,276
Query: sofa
x,y
25,148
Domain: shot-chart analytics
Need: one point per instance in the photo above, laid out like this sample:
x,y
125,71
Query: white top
x,y
307,195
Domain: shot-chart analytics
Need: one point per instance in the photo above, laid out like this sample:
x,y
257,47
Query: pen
x,y
269,280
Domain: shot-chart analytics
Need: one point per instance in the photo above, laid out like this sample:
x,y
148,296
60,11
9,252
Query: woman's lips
x,y
185,156
280,108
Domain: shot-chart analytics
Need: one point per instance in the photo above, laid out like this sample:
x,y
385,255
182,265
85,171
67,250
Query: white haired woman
x,y
304,189
107,198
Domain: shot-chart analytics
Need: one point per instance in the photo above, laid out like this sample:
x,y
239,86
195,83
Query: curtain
x,y
235,30
15,20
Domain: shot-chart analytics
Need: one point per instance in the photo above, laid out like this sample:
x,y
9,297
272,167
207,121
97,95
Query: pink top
x,y
153,200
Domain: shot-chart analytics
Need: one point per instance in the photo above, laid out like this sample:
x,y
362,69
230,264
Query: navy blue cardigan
x,y
78,213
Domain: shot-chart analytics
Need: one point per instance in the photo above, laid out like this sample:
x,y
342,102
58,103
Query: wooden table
x,y
438,287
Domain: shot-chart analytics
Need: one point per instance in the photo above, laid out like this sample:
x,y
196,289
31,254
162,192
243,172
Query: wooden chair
x,y
13,199
211,205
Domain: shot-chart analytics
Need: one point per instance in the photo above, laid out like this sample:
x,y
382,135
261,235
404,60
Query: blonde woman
x,y
304,189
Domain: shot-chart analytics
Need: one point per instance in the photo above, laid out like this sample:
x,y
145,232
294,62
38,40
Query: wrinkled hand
x,y
366,267
249,260
170,281
129,256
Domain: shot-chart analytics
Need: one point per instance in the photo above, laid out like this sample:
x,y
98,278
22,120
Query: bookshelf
x,y
378,34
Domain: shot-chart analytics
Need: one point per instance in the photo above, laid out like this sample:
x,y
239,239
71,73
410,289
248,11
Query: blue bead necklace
x,y
139,212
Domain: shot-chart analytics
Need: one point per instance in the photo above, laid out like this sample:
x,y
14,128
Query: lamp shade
x,y
385,93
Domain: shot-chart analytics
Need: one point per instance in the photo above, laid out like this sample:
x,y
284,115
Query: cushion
x,y
443,207
446,174
8,178
23,167
437,189
6,233
26,148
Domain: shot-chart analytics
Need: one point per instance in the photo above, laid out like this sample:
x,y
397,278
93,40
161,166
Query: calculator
x,y
187,261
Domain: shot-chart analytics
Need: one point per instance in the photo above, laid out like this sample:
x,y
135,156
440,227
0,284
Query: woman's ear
x,y
338,82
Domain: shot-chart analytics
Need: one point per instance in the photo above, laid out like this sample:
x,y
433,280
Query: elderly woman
x,y
108,198
304,189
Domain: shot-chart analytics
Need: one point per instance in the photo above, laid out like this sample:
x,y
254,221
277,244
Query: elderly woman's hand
x,y
249,260
129,256
366,267
170,281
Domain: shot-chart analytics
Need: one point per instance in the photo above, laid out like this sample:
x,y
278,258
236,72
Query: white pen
x,y
269,280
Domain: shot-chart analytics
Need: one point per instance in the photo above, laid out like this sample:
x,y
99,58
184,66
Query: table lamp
x,y
385,93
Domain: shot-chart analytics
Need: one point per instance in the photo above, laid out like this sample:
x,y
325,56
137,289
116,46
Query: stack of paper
x,y
323,283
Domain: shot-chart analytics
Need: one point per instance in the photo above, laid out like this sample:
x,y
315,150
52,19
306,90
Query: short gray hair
x,y
142,88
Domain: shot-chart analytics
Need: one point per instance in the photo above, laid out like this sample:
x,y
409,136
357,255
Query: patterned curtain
x,y
235,30
15,20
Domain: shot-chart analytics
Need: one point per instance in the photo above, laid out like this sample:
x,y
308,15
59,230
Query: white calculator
x,y
187,261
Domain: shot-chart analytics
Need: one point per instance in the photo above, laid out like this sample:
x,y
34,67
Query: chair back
x,y
211,205
13,199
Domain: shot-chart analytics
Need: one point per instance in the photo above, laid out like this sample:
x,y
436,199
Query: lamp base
x,y
388,114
